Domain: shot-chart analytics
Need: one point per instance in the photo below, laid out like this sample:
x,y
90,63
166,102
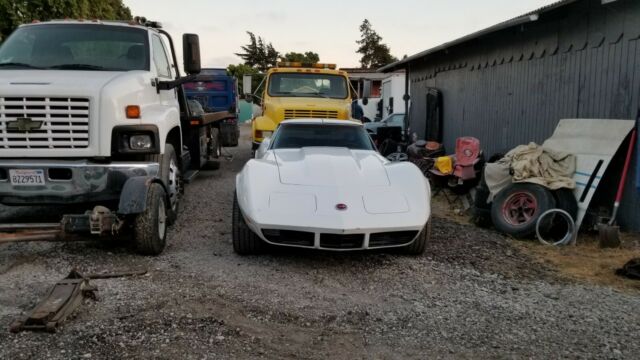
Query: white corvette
x,y
321,184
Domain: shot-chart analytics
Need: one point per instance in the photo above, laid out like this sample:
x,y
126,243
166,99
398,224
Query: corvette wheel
x,y
419,245
245,241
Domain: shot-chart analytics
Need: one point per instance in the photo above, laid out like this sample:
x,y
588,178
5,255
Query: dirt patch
x,y
587,262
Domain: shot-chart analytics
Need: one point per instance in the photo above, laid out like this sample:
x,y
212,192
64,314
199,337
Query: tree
x,y
308,57
16,12
258,54
374,53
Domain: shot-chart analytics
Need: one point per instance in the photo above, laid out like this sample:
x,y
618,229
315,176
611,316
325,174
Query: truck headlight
x,y
140,142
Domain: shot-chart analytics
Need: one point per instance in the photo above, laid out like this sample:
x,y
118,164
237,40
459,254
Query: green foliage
x,y
308,57
240,70
258,54
374,53
16,12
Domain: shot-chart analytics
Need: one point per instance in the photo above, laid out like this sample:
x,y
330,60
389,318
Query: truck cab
x,y
93,112
298,90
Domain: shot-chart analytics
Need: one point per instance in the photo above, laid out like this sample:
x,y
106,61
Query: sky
x,y
329,27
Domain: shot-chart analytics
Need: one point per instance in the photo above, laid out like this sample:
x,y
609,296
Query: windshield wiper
x,y
17,64
79,67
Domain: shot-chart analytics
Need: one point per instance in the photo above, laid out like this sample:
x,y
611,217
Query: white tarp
x,y
594,142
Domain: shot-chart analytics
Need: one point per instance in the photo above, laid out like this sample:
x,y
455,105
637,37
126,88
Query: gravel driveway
x,y
472,295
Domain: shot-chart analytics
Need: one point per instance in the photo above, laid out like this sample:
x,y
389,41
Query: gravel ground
x,y
472,295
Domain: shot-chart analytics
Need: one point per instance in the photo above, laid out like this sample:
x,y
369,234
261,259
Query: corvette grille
x,y
61,123
392,238
339,241
309,114
288,237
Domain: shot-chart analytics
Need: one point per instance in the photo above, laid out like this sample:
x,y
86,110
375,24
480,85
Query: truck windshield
x,y
308,85
295,136
76,47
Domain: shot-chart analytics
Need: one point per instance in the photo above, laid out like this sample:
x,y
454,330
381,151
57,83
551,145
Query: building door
x,y
434,126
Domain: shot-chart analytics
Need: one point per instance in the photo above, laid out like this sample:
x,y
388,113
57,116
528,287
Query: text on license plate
x,y
26,177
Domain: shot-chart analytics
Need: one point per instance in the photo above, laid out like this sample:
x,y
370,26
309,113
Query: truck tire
x,y
516,209
171,177
419,245
245,241
215,145
565,200
150,228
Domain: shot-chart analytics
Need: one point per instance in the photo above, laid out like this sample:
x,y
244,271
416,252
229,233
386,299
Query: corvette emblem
x,y
24,125
341,207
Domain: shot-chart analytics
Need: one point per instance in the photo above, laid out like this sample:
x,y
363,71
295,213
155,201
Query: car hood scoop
x,y
328,166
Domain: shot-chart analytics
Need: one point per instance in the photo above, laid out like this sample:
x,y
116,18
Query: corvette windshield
x,y
76,47
295,136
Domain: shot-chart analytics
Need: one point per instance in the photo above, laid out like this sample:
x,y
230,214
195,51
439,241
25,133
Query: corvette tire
x,y
245,241
419,245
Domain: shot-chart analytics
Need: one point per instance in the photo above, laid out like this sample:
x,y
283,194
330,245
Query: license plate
x,y
23,177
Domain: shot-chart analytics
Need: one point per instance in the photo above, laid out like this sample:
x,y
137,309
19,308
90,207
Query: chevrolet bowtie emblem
x,y
24,124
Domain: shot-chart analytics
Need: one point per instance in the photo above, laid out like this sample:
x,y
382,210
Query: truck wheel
x,y
419,245
245,241
215,146
516,209
150,230
171,177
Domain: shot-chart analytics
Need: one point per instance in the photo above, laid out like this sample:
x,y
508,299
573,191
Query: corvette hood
x,y
331,167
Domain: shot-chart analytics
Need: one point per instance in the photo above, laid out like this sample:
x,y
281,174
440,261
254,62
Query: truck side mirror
x,y
247,83
191,53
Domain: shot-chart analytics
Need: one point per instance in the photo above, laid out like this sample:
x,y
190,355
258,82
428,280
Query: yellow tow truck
x,y
299,91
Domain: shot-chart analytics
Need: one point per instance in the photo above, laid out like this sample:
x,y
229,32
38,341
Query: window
x,y
77,47
295,136
395,120
308,85
160,58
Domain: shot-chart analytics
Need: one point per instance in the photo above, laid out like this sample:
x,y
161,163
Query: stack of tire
x,y
516,209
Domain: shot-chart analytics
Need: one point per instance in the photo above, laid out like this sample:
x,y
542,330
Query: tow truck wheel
x,y
245,241
171,177
150,230
419,245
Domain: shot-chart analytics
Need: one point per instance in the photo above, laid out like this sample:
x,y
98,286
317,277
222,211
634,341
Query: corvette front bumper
x,y
336,239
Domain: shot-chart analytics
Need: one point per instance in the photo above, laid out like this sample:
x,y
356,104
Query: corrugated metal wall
x,y
512,87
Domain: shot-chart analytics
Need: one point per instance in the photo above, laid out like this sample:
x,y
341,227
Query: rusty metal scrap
x,y
63,299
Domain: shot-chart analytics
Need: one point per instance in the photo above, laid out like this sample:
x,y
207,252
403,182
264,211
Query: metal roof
x,y
522,19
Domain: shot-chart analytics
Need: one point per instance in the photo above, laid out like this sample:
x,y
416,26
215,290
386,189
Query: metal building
x,y
510,84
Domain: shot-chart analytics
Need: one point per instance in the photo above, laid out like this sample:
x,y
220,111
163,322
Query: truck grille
x,y
310,114
64,123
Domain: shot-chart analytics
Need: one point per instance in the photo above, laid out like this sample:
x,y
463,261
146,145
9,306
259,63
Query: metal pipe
x,y
407,98
30,237
14,227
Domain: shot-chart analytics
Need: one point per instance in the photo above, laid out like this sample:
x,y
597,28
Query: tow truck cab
x,y
93,112
297,90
